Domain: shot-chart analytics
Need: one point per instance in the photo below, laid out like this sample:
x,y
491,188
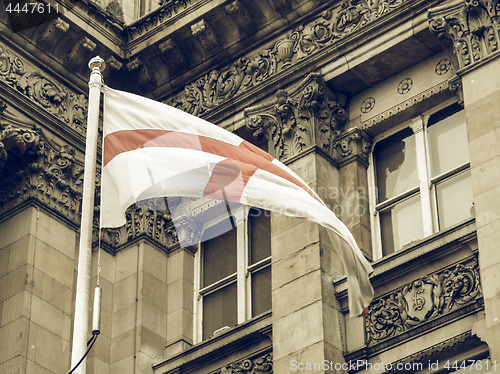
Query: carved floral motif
x,y
472,26
56,99
310,115
423,300
219,86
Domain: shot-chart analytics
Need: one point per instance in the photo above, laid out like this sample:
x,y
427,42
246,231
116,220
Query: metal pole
x,y
81,323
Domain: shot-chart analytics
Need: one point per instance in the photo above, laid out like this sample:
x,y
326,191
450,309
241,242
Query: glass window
x,y
423,180
396,162
235,282
401,224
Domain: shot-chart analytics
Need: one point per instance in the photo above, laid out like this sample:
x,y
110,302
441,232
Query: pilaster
x,y
472,28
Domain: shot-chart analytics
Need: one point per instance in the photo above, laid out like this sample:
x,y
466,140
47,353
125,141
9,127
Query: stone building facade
x,y
387,108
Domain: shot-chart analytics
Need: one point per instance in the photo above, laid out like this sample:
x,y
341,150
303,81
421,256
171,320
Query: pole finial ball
x,y
97,63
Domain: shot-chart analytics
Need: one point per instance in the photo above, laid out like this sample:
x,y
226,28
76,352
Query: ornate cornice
x,y
169,9
43,90
256,365
423,301
334,24
407,104
472,27
33,168
307,115
432,351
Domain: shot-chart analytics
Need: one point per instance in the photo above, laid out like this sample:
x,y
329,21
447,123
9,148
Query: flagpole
x,y
81,322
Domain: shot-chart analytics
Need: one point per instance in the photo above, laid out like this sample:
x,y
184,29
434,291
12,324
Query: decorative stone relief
x,y
423,300
472,26
260,365
336,23
309,115
168,10
32,168
56,99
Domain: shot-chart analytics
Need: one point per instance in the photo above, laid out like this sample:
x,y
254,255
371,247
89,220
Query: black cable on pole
x,y
91,342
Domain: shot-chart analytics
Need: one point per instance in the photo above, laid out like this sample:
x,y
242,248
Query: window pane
x,y
401,225
448,143
219,310
219,257
261,291
260,235
455,201
396,166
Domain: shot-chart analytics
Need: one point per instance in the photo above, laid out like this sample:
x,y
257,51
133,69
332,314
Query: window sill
x,y
248,338
416,259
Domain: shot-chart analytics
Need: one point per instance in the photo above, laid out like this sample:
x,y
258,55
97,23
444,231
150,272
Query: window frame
x,y
242,277
426,187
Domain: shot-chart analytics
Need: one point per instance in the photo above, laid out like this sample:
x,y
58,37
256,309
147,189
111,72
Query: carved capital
x,y
152,222
452,290
467,29
353,145
308,115
33,168
206,34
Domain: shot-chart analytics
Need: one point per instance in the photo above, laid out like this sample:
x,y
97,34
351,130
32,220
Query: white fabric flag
x,y
153,150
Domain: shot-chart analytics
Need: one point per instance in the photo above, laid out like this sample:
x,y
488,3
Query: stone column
x,y
302,128
38,223
469,31
139,307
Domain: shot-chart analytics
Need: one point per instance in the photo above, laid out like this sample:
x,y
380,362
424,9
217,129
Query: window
x,y
423,180
234,282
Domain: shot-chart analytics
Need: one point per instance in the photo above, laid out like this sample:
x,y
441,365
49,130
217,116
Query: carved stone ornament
x,y
32,168
309,115
173,54
206,34
145,75
336,23
472,27
240,15
53,32
259,365
424,300
56,99
81,52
